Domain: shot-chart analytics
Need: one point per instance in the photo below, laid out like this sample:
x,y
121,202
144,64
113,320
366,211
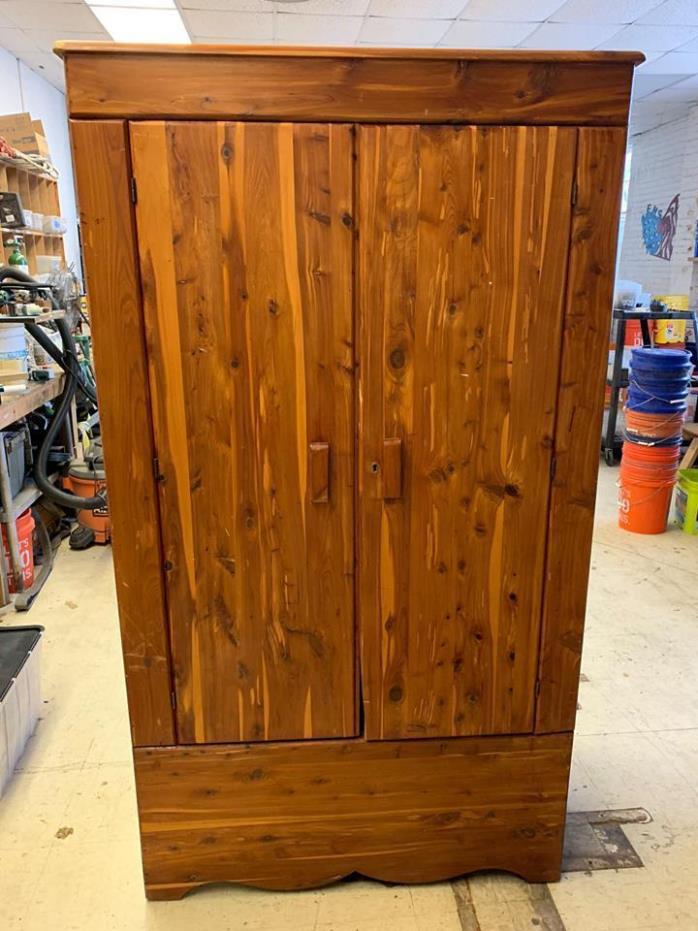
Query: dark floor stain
x,y
595,840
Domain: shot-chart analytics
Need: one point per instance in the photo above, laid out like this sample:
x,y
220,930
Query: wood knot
x,y
397,358
395,694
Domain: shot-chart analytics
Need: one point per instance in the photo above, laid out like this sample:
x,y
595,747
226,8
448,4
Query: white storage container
x,y
20,694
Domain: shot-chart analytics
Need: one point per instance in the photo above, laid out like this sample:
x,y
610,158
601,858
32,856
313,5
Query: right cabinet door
x,y
462,258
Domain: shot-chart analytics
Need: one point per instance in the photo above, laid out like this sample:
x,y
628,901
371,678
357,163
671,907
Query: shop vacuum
x,y
85,485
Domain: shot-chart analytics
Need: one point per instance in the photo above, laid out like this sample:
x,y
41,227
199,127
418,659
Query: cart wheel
x,y
610,456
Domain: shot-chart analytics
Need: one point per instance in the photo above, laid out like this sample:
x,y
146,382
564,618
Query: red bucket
x,y
25,529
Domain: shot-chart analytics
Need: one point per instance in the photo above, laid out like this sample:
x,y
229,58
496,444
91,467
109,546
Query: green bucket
x,y
686,506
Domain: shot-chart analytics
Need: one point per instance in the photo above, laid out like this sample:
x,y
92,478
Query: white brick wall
x,y
664,163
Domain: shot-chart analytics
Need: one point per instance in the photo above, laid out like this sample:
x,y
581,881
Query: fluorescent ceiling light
x,y
137,24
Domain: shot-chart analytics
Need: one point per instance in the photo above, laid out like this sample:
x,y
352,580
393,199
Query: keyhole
x,y
375,467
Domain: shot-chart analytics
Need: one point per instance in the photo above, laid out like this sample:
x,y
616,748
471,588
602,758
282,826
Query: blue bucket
x,y
661,363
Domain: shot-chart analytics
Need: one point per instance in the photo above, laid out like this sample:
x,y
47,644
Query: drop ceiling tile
x,y
417,9
324,7
317,30
673,13
602,11
673,63
646,84
45,39
44,14
691,46
486,35
650,38
569,36
645,119
16,41
255,27
386,30
504,11
235,6
676,94
47,66
689,82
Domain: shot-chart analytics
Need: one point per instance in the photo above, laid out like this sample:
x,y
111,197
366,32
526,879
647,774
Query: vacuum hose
x,y
69,365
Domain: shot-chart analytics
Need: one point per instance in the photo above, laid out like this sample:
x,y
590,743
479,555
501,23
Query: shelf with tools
x,y
38,195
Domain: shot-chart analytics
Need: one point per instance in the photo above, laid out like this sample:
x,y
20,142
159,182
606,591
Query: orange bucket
x,y
25,529
651,457
653,426
643,504
645,487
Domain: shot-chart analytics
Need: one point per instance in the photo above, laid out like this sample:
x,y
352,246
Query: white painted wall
x,y
22,89
664,163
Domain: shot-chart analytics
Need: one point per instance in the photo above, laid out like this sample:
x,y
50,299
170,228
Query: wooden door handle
x,y
319,472
392,467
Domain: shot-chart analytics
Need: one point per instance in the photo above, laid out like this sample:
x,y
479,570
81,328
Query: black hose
x,y
42,338
50,348
64,498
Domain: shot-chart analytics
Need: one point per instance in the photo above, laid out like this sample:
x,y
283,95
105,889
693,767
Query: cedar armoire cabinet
x,y
351,313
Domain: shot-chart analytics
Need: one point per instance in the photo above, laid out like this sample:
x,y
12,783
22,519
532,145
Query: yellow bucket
x,y
671,331
686,505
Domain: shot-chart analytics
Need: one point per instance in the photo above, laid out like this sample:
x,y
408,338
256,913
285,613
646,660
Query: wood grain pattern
x,y
246,250
459,333
589,300
437,88
301,815
102,171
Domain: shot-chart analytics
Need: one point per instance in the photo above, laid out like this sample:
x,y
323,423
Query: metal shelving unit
x,y
611,444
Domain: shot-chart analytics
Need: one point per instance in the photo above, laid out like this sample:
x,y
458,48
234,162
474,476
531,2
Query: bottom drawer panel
x,y
298,815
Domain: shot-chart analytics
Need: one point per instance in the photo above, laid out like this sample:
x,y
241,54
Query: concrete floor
x,y
69,854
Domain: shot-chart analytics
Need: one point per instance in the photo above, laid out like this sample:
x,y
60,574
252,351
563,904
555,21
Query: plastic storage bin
x,y
20,694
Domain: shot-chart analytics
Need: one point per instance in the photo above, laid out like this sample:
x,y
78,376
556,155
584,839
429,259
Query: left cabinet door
x,y
245,249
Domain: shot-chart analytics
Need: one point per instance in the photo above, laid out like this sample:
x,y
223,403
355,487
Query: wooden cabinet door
x,y
463,235
245,246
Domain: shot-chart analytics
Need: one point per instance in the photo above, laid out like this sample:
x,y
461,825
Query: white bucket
x,y
13,353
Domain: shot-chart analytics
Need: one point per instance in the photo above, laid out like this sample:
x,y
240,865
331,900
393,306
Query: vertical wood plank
x,y
102,172
462,271
589,297
246,246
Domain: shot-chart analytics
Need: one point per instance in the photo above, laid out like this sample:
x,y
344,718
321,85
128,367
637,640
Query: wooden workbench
x,y
15,406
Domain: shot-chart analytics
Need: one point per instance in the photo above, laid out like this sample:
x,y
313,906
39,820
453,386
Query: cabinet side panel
x,y
599,176
103,176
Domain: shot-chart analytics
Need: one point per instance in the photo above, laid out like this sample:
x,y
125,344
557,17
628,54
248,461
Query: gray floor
x,y
69,855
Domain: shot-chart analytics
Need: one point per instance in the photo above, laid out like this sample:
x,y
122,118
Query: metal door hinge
x,y
134,191
173,700
159,477
553,467
575,191
537,689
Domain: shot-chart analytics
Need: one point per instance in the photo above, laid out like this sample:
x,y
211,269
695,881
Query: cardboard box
x,y
24,134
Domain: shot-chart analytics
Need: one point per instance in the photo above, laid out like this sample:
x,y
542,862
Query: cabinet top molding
x,y
107,79
67,47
